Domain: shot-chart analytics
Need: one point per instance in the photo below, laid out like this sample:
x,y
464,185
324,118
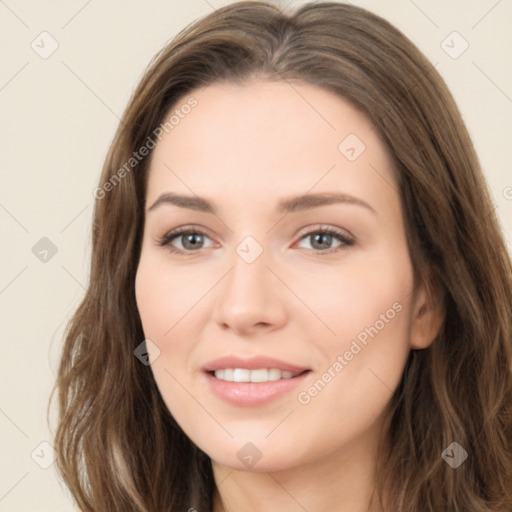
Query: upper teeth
x,y
260,375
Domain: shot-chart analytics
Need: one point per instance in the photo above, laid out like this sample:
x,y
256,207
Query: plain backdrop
x,y
59,112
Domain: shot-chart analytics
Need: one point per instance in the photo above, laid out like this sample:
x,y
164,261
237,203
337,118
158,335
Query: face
x,y
308,298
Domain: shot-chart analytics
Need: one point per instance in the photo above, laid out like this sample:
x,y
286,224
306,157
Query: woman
x,y
216,363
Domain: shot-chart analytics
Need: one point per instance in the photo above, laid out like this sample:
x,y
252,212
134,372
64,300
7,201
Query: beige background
x,y
58,116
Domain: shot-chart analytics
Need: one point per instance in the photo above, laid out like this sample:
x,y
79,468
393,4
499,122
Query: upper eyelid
x,y
324,227
187,229
192,228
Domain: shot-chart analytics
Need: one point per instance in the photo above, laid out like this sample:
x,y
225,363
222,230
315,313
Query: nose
x,y
251,298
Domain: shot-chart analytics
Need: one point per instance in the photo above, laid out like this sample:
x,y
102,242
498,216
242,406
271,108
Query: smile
x,y
257,375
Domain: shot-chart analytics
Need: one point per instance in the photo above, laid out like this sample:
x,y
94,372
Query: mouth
x,y
257,375
251,382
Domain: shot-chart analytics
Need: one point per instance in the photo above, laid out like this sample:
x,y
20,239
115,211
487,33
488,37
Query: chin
x,y
254,453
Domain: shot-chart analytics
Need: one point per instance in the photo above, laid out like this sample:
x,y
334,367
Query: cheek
x,y
362,364
368,308
152,296
160,302
352,299
164,295
163,299
172,304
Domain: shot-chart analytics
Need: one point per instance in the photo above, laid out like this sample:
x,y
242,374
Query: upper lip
x,y
251,363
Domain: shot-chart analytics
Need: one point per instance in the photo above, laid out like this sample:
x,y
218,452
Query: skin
x,y
245,147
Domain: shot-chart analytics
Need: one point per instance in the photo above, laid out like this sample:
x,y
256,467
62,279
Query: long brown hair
x,y
118,447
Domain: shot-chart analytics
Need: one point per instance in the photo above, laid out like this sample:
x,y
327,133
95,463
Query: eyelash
x,y
166,240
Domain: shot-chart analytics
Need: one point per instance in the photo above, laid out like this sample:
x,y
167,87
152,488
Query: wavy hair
x,y
118,447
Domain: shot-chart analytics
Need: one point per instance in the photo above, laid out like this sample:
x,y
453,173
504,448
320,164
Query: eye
x,y
322,239
192,239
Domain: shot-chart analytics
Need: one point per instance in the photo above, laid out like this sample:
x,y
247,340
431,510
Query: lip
x,y
252,363
252,394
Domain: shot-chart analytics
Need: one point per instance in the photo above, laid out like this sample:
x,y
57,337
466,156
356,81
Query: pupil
x,y
322,236
193,240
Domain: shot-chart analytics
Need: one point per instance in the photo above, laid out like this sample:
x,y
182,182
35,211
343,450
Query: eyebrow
x,y
288,205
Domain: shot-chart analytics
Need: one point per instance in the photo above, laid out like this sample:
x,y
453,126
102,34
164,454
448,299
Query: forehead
x,y
253,141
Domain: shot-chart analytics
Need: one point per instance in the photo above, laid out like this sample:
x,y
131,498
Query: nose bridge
x,y
248,296
248,278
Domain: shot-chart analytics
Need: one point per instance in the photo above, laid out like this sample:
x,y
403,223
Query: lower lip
x,y
252,394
